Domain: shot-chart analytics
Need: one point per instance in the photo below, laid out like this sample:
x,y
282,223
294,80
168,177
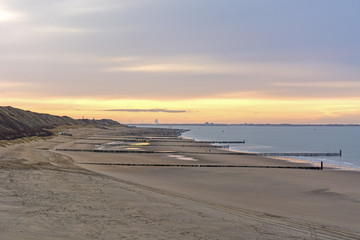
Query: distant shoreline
x,y
247,125
328,161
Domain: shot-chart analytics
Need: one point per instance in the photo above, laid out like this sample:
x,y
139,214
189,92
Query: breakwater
x,y
338,154
207,152
202,166
149,140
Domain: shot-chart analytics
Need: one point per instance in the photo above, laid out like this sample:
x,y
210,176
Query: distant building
x,y
156,121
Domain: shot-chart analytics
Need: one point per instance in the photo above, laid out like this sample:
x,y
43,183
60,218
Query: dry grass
x,y
4,143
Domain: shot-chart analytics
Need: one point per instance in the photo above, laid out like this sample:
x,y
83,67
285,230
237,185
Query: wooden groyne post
x,y
198,165
300,154
217,153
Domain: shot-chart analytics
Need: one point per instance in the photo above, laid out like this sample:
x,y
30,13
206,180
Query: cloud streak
x,y
163,110
8,16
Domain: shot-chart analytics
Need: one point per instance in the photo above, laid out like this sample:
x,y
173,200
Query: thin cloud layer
x,y
146,110
148,48
170,50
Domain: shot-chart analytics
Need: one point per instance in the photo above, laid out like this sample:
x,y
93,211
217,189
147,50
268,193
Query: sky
x,y
188,61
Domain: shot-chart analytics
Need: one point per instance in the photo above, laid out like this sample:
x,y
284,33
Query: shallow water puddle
x,y
181,157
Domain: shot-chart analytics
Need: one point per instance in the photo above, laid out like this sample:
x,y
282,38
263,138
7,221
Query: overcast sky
x,y
168,51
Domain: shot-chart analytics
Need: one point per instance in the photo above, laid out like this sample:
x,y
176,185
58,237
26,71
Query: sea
x,y
285,139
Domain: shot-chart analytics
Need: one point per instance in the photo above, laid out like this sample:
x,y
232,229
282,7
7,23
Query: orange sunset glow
x,y
198,110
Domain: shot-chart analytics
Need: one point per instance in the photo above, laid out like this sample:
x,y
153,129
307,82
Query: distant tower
x,y
156,121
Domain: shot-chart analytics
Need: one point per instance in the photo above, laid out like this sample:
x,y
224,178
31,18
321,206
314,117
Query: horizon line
x,y
253,124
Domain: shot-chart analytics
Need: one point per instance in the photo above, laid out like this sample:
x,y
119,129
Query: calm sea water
x,y
267,139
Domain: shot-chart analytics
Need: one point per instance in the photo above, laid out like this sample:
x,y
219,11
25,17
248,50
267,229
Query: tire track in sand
x,y
315,231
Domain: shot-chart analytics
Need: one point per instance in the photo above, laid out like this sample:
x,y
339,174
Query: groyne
x,y
148,140
201,166
207,152
338,154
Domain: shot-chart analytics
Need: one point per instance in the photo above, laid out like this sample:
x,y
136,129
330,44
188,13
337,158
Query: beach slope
x,y
54,194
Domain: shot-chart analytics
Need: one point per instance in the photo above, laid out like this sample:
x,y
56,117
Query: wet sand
x,y
49,194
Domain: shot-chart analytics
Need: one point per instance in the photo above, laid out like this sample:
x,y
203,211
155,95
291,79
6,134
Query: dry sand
x,y
49,194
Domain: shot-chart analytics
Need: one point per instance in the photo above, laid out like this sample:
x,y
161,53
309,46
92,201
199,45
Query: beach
x,y
158,186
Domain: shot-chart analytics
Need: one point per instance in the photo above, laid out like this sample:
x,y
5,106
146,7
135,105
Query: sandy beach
x,y
49,193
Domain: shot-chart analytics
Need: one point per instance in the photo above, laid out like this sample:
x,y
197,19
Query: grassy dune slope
x,y
17,123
